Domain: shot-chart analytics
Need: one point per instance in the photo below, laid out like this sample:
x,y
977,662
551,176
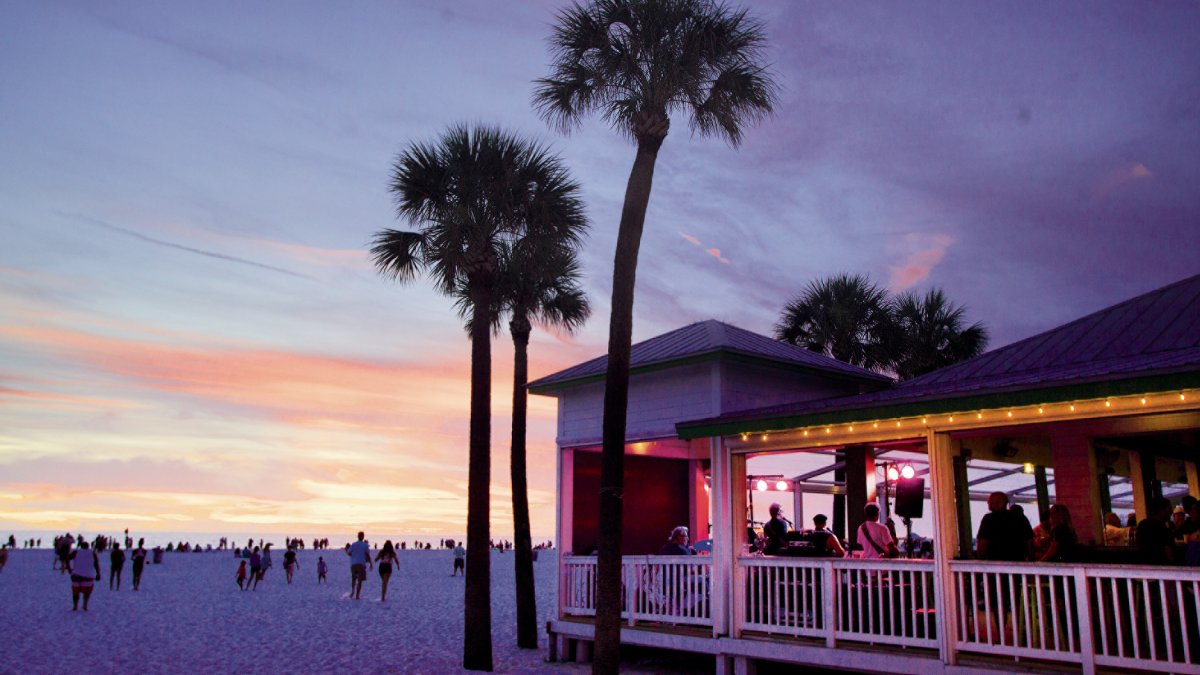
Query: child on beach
x,y
241,575
322,569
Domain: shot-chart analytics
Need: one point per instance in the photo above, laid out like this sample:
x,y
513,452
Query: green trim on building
x,y
935,406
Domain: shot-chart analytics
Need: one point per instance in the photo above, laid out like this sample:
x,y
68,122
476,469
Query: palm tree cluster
x,y
851,318
498,220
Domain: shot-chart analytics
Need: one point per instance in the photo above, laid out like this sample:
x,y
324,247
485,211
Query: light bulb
x,y
892,473
761,485
907,471
782,486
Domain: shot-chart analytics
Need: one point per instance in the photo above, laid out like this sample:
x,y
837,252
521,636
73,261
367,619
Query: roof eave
x,y
1003,398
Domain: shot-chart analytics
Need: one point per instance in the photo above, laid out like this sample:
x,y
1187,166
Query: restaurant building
x,y
1099,415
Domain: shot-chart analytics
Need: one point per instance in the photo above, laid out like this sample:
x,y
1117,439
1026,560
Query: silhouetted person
x,y
84,566
116,563
775,532
139,563
360,558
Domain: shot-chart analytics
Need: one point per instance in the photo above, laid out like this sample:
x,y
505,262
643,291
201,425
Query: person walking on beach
x,y
255,567
116,563
241,575
460,556
84,566
266,562
360,558
386,559
322,569
290,563
139,563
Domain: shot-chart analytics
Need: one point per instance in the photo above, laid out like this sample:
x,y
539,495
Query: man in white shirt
x,y
875,539
360,558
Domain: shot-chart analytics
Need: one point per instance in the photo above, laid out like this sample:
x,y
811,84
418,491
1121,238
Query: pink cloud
x,y
1122,176
919,263
689,238
716,253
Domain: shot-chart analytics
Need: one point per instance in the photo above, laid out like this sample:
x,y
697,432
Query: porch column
x,y
737,503
725,545
860,485
942,500
1075,485
564,518
1042,485
1193,476
797,507
1137,485
697,501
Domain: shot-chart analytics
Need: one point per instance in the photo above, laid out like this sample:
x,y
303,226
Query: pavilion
x,y
1097,415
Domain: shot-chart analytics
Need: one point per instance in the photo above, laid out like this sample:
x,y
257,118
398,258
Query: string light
x,y
1143,400
876,425
897,424
1107,403
924,420
851,427
978,416
806,432
1040,410
952,418
1072,407
745,436
1010,413
1182,397
829,430
764,437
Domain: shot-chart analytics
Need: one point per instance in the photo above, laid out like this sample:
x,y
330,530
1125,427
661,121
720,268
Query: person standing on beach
x,y
360,558
255,567
322,569
84,566
116,563
139,563
266,562
387,560
290,563
460,556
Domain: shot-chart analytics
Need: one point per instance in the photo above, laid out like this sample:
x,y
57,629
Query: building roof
x,y
712,339
1151,342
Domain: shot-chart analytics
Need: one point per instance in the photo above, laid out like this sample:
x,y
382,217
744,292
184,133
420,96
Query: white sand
x,y
190,616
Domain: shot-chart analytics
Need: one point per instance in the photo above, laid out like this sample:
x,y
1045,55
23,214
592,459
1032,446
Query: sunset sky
x,y
192,337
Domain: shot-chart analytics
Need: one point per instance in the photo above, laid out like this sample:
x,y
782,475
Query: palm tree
x,y
635,62
539,282
844,316
930,334
469,195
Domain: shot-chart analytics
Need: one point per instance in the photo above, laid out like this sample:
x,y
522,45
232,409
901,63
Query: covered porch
x,y
947,612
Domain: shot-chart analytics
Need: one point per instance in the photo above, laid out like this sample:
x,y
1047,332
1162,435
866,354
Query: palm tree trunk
x,y
616,402
477,602
526,597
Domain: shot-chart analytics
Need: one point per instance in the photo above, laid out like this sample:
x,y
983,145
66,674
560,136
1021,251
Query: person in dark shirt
x,y
1156,545
1064,543
678,543
775,532
1003,535
825,540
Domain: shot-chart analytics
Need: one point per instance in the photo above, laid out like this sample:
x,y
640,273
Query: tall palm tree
x,y
844,316
635,62
539,283
930,334
469,195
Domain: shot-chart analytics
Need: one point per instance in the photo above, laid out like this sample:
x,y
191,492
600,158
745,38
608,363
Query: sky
x,y
192,336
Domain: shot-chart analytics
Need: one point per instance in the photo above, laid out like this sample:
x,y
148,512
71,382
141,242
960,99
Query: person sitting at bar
x,y
1156,545
775,532
1063,540
1114,534
1002,535
824,539
677,544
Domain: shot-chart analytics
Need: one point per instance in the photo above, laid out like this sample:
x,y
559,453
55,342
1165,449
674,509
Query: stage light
x,y
907,471
761,485
893,473
782,486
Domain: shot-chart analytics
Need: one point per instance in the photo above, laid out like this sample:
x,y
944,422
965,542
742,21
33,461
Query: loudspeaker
x,y
910,497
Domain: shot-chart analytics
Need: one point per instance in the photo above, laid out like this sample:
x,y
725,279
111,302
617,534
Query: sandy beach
x,y
190,616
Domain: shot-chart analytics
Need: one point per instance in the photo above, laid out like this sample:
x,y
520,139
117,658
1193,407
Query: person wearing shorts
x,y
255,567
360,558
84,566
460,555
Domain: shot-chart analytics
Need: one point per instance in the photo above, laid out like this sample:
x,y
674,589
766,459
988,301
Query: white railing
x,y
878,601
668,589
1113,616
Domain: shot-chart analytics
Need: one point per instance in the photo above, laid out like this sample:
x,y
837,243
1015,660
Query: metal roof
x,y
1155,335
710,338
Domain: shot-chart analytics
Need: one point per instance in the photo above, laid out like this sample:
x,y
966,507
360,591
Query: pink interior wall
x,y
656,500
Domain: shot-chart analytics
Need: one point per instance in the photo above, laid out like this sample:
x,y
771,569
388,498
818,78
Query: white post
x,y
798,507
565,516
1084,603
737,522
723,541
945,528
829,587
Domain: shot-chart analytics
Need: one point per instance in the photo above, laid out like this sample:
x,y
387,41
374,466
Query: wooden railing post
x,y
1083,600
632,588
829,607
